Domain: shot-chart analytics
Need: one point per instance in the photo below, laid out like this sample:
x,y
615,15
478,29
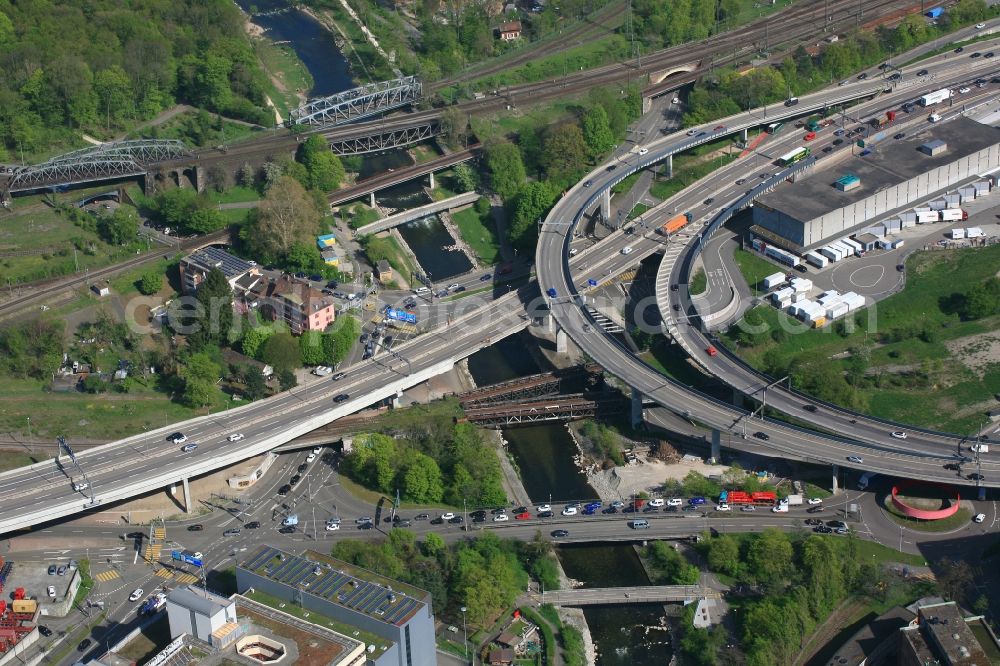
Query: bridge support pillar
x,y
716,445
396,399
371,199
670,166
745,136
562,342
835,485
431,174
188,503
635,415
606,206
647,104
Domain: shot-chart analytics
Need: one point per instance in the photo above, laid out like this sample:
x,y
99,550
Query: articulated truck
x,y
675,224
930,99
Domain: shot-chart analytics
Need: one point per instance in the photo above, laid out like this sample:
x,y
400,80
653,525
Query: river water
x,y
312,43
544,454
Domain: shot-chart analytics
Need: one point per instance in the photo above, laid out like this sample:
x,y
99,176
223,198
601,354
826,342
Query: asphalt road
x,y
921,456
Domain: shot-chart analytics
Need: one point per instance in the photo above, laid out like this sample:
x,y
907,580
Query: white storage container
x,y
974,232
837,309
816,259
829,253
801,284
957,234
773,280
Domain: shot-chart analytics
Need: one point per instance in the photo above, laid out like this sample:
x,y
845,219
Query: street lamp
x,y
465,634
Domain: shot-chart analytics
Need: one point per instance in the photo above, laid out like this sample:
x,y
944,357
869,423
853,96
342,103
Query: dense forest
x,y
103,65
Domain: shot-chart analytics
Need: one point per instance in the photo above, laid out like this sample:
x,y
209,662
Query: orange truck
x,y
675,224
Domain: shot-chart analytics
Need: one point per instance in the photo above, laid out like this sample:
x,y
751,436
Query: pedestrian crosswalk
x,y
185,578
107,576
163,573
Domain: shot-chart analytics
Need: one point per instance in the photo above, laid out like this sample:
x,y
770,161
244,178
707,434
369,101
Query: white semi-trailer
x,y
930,99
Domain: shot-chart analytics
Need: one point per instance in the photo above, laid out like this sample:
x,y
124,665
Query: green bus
x,y
774,127
794,156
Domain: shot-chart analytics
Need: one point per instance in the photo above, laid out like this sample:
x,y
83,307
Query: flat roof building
x,y
896,175
942,636
395,611
195,267
201,614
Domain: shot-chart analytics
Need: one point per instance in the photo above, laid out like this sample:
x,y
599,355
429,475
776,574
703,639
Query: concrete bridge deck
x,y
417,213
643,594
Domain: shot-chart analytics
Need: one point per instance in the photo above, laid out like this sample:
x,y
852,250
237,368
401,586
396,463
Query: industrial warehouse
x,y
889,181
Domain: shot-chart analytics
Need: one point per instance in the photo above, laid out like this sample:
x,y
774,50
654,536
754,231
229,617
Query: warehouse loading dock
x,y
812,212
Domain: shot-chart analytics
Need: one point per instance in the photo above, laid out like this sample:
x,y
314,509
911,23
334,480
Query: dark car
x,y
252,525
900,267
588,183
989,55
403,523
975,476
629,509
896,76
488,276
341,398
44,631
835,523
922,72
497,512
762,435
959,49
288,529
437,521
837,142
521,509
822,529
976,54
316,278
176,437
827,149
689,507
362,526
809,408
457,520
83,645
294,480
478,514
815,509
609,510
612,167
560,533
674,287
862,76
839,132
135,535
544,514
195,528
421,516
650,509
708,201
303,467
899,135
284,490
52,569
952,466
741,181
459,289
813,521
62,570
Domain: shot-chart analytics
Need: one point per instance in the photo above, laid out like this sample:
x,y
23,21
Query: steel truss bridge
x,y
565,408
385,138
522,388
361,102
118,159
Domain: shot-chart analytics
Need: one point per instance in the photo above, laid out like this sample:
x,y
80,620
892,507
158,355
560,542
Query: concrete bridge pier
x,y
371,199
397,399
431,174
834,487
670,166
744,135
635,415
562,342
606,205
716,445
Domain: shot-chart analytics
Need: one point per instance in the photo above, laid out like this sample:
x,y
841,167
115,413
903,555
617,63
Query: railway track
x,y
39,291
595,23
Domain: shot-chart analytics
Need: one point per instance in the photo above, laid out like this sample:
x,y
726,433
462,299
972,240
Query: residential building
x,y
195,267
396,612
509,31
295,301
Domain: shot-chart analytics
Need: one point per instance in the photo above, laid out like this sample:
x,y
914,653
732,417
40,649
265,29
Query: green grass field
x,y
755,268
698,283
235,194
40,242
908,330
281,62
687,170
480,233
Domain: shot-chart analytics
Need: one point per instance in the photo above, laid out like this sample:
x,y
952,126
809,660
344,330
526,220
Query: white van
x,y
980,448
421,290
291,520
934,117
640,524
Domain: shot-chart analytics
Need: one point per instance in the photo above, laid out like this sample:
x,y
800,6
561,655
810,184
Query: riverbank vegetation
x,y
430,463
789,585
99,67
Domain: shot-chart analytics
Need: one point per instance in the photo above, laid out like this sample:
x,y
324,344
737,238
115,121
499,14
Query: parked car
x,y
815,500
136,594
748,508
284,490
52,570
569,511
83,645
62,570
448,515
44,631
544,514
543,507
560,533
522,516
501,518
